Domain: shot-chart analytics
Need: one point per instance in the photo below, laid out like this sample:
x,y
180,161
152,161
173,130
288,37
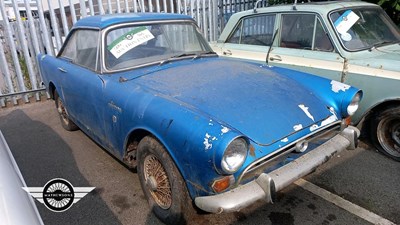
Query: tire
x,y
385,132
66,123
157,172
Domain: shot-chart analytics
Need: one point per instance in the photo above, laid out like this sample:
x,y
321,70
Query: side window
x,y
257,30
304,31
82,48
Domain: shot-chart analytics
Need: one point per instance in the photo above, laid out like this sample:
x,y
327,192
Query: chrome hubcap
x,y
389,135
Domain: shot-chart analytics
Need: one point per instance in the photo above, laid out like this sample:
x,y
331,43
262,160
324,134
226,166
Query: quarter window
x,y
257,30
304,31
82,48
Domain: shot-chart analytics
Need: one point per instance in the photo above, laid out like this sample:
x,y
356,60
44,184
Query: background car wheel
x,y
162,184
386,132
62,111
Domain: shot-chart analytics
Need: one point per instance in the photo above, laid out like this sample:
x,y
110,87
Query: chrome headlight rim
x,y
234,155
354,104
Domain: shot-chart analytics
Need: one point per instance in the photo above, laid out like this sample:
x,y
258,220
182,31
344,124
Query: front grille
x,y
287,153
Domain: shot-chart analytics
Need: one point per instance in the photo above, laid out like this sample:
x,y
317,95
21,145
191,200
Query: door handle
x,y
61,69
275,58
227,52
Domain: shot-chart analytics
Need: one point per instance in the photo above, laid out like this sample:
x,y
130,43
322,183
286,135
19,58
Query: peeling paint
x,y
43,56
329,120
208,139
285,140
207,144
210,123
305,110
224,130
298,127
338,86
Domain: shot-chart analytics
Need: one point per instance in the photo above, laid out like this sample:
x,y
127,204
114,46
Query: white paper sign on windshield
x,y
129,41
346,21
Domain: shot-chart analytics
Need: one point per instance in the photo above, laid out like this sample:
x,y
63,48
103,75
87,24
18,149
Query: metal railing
x,y
21,40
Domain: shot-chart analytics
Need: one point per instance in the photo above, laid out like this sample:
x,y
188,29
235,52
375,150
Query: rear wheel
x,y
162,183
386,132
62,111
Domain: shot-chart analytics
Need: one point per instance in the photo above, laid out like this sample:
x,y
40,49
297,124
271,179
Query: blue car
x,y
203,132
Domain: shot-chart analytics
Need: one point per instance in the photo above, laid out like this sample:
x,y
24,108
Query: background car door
x,y
302,44
82,87
251,38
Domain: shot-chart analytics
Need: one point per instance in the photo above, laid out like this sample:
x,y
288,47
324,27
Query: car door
x,y
251,38
81,85
303,44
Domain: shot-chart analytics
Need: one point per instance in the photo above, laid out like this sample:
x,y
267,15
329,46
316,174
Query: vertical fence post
x,y
63,18
82,5
126,6
91,8
25,50
32,27
45,34
72,10
118,6
54,26
110,11
6,71
13,50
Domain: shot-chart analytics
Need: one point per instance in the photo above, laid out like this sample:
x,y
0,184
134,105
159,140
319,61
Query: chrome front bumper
x,y
266,185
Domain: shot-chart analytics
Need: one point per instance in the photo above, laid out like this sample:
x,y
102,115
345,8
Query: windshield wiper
x,y
172,58
183,55
382,43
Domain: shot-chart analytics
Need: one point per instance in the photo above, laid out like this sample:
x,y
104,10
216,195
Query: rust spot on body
x,y
251,149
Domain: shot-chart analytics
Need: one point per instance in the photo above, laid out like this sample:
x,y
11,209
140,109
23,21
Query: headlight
x,y
353,106
234,155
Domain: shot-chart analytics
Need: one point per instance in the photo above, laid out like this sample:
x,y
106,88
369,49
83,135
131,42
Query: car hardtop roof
x,y
322,7
103,21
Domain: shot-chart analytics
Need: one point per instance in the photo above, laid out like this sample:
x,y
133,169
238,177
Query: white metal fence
x,y
22,38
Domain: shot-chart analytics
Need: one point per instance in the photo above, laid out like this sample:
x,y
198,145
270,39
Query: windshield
x,y
364,28
136,45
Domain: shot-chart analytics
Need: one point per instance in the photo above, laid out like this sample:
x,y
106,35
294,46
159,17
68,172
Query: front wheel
x,y
386,132
162,183
64,117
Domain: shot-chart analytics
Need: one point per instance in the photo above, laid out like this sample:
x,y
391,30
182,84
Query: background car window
x,y
322,42
304,31
297,31
82,48
256,30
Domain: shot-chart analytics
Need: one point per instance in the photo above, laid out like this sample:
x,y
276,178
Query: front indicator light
x,y
222,184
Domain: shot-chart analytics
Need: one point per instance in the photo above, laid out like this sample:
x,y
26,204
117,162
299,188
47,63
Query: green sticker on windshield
x,y
129,41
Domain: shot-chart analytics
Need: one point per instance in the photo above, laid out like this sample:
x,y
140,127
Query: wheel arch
x,y
365,120
51,89
136,135
379,107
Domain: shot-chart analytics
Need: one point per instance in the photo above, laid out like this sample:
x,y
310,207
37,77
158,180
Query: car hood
x,y
258,102
382,58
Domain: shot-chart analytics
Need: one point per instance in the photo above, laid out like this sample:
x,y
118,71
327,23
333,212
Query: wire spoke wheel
x,y
157,181
64,117
62,111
